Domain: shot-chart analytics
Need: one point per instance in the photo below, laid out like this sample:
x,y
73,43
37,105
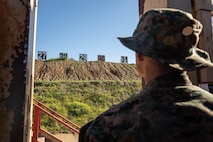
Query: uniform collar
x,y
169,80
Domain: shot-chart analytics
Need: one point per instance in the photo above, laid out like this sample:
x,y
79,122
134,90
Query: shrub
x,y
78,109
82,101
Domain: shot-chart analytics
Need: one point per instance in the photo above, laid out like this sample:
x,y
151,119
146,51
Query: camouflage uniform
x,y
170,108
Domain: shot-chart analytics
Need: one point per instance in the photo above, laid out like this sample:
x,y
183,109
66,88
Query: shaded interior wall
x,y
185,5
14,17
203,10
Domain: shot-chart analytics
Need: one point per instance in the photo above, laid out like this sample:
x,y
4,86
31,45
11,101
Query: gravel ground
x,y
67,137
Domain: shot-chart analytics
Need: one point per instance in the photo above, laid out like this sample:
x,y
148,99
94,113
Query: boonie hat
x,y
171,37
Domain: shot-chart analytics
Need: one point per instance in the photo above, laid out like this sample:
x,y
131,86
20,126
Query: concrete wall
x,y
15,70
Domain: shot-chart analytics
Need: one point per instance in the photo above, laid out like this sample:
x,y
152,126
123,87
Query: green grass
x,y
81,101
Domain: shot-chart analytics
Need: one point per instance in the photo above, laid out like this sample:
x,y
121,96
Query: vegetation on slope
x,y
81,101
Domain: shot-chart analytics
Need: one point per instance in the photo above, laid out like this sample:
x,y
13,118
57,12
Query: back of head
x,y
150,68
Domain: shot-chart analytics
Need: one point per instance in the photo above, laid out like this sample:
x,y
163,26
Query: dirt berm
x,y
78,70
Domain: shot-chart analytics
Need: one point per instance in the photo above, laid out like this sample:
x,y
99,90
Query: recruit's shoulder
x,y
201,93
116,117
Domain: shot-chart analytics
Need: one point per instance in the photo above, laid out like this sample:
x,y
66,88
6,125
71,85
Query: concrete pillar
x,y
16,69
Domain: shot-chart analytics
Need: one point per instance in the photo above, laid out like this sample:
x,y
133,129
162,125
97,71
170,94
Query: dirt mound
x,y
77,70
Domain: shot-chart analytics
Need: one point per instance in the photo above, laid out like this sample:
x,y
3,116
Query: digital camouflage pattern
x,y
169,109
171,37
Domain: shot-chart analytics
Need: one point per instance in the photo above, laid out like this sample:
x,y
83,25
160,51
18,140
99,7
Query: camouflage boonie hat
x,y
171,37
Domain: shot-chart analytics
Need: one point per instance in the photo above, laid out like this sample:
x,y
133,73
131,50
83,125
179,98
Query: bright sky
x,y
86,27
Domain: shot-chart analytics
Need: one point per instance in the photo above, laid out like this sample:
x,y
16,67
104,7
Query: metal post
x,y
36,123
30,71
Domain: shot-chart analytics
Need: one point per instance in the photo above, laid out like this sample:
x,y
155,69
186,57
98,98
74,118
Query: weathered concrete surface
x,y
14,17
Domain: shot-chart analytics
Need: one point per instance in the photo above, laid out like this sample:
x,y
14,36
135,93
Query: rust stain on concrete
x,y
6,125
13,48
12,29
